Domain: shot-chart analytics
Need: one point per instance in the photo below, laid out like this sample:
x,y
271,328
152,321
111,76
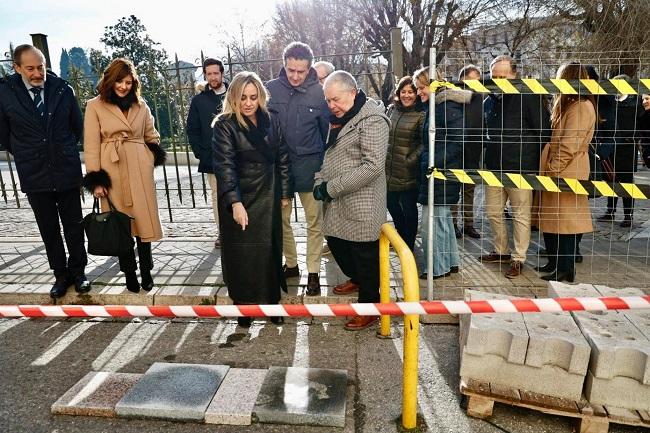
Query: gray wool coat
x,y
354,169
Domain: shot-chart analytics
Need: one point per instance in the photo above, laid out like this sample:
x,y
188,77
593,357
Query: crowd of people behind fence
x,y
313,134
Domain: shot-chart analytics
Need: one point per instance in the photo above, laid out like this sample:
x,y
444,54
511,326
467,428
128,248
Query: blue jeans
x,y
445,247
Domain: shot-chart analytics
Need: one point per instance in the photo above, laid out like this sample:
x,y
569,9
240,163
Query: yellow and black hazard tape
x,y
550,86
533,182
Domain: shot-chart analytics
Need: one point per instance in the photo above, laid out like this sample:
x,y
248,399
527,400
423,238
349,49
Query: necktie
x,y
38,101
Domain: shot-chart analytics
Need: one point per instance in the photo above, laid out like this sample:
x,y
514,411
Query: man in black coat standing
x,y
297,98
203,109
518,127
40,125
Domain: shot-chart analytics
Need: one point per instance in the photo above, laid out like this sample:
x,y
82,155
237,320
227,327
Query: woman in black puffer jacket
x,y
404,148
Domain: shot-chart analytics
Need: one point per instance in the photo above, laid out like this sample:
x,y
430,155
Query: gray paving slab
x,y
304,396
96,394
173,391
234,401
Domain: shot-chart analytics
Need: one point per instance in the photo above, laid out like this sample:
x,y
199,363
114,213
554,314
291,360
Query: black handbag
x,y
108,233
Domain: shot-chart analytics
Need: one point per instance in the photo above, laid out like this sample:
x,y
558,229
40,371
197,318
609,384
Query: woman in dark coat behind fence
x,y
252,168
404,148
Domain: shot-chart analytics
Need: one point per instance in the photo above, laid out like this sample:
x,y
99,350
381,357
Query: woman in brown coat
x,y
121,147
564,215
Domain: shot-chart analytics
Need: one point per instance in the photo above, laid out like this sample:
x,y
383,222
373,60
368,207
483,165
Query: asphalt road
x,y
41,359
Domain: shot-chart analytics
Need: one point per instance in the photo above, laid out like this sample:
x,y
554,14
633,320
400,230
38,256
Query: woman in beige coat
x,y
121,147
564,215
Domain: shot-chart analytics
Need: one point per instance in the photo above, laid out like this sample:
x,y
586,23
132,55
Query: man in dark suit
x,y
40,125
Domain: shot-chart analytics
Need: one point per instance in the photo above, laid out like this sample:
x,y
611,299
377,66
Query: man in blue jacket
x,y
40,125
297,98
203,109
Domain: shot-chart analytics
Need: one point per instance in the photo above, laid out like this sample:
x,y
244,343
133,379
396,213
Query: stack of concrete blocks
x,y
619,369
538,352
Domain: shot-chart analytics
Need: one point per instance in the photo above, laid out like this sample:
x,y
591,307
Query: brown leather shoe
x,y
495,258
346,288
515,269
313,285
360,322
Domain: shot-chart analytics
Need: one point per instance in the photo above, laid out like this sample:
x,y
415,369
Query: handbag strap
x,y
96,208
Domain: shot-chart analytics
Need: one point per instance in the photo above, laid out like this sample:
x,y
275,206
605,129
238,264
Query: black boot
x,y
147,281
132,284
244,322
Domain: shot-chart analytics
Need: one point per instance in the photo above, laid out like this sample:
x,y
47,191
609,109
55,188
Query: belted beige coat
x,y
116,144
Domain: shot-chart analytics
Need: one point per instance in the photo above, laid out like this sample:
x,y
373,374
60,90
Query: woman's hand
x,y
285,202
100,192
240,215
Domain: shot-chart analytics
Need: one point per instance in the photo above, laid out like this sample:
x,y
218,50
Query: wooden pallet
x,y
592,418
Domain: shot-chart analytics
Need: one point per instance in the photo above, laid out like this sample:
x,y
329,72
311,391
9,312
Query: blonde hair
x,y
232,102
421,76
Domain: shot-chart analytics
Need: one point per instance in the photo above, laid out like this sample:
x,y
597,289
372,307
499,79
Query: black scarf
x,y
256,135
123,103
337,123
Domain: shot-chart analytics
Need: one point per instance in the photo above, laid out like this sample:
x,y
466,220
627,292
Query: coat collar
x,y
312,79
371,108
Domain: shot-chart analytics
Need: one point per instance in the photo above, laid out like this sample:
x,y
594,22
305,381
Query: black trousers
x,y
127,261
360,262
628,203
403,208
561,251
48,208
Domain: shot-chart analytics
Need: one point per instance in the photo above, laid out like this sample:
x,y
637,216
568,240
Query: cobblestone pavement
x,y
186,260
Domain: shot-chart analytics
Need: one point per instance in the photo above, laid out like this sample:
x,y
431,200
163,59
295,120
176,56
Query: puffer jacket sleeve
x,y
225,164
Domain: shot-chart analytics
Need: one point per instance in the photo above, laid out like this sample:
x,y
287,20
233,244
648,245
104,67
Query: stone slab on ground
x,y
305,396
173,391
542,353
96,394
234,401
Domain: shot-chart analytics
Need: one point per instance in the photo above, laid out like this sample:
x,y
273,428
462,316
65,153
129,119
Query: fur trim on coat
x,y
93,179
460,96
159,154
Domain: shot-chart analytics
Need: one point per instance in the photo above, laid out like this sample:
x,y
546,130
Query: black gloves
x,y
320,192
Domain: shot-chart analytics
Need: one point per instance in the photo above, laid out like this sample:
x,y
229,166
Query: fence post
x,y
432,158
39,40
397,56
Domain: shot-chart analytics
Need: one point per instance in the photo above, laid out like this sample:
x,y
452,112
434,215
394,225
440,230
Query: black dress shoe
x,y
132,284
546,268
607,216
277,320
60,287
81,284
313,285
454,269
435,277
147,281
471,232
560,276
578,258
627,222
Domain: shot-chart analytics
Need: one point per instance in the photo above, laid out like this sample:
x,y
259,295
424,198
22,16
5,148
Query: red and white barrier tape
x,y
551,305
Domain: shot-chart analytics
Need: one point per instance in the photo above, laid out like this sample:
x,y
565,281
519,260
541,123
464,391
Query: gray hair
x,y
505,58
329,68
344,79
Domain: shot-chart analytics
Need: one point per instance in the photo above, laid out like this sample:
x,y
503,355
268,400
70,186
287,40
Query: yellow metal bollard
x,y
389,236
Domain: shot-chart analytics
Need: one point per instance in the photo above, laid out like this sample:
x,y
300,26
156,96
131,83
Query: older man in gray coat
x,y
352,185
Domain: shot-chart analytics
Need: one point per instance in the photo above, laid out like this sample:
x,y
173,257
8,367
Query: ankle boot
x,y
147,281
132,284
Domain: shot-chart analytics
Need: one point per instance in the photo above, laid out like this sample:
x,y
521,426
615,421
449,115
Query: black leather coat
x,y
258,178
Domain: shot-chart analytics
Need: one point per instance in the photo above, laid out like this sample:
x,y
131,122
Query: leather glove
x,y
320,192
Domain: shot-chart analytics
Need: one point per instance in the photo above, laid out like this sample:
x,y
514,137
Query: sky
x,y
186,30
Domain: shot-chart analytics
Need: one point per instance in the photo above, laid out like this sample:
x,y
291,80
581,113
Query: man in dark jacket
x,y
472,150
40,125
297,97
518,126
203,108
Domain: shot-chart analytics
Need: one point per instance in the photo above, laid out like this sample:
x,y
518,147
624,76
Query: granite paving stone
x,y
305,396
96,394
233,403
173,391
